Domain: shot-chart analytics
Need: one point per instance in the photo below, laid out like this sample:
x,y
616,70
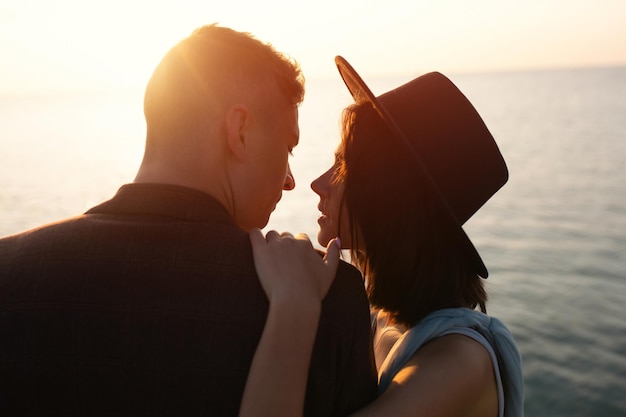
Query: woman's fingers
x,y
288,264
331,258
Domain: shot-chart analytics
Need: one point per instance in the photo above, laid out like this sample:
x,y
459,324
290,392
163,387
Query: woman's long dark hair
x,y
411,257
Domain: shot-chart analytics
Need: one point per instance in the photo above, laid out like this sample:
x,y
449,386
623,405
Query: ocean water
x,y
554,238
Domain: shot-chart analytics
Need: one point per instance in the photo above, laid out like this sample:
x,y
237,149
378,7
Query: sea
x,y
553,238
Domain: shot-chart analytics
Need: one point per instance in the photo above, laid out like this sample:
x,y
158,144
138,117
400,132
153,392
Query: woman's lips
x,y
323,215
322,218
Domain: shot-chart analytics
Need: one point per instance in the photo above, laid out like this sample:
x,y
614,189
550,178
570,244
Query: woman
x,y
413,166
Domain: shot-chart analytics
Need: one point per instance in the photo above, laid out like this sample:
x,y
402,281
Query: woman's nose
x,y
320,184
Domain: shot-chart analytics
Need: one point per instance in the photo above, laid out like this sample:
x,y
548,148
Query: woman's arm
x,y
450,376
295,279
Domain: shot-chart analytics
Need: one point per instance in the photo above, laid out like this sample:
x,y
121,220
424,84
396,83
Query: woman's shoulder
x,y
426,332
450,374
462,341
458,353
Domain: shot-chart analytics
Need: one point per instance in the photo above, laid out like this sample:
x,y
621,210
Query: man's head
x,y
221,116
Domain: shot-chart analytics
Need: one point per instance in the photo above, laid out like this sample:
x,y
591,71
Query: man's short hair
x,y
212,69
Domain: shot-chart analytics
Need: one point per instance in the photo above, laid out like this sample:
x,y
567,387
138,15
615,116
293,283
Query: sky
x,y
68,45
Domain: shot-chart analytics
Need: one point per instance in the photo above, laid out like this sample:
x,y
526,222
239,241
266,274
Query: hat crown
x,y
449,138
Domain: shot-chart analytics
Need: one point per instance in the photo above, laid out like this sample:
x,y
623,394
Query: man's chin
x,y
255,224
264,221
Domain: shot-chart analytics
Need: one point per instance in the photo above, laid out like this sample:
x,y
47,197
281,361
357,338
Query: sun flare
x,y
75,44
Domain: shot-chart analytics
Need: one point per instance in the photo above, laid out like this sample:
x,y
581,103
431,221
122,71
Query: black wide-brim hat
x,y
448,139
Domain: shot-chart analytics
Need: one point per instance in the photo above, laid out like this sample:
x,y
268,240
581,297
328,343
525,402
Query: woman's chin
x,y
323,238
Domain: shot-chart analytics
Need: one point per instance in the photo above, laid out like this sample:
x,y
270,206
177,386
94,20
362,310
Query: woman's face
x,y
330,187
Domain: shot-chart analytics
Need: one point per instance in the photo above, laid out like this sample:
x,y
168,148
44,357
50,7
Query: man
x,y
149,303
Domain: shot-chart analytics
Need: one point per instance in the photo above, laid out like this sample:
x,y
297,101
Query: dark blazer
x,y
149,305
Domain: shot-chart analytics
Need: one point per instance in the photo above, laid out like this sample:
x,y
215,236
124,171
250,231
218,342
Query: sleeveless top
x,y
488,331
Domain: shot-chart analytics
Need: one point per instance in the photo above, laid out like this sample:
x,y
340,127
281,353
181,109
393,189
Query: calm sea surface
x,y
554,238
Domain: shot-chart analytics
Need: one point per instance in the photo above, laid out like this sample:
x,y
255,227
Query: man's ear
x,y
237,120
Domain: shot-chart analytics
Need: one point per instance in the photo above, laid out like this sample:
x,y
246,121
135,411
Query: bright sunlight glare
x,y
76,44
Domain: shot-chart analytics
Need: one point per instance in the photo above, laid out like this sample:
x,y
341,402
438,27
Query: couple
x,y
150,303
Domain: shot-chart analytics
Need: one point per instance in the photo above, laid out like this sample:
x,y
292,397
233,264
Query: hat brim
x,y
361,93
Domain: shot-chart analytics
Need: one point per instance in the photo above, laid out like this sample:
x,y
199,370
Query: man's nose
x,y
290,182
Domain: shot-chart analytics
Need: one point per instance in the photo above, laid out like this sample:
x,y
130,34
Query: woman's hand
x,y
289,268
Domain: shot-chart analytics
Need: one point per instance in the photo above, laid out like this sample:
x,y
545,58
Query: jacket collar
x,y
164,200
